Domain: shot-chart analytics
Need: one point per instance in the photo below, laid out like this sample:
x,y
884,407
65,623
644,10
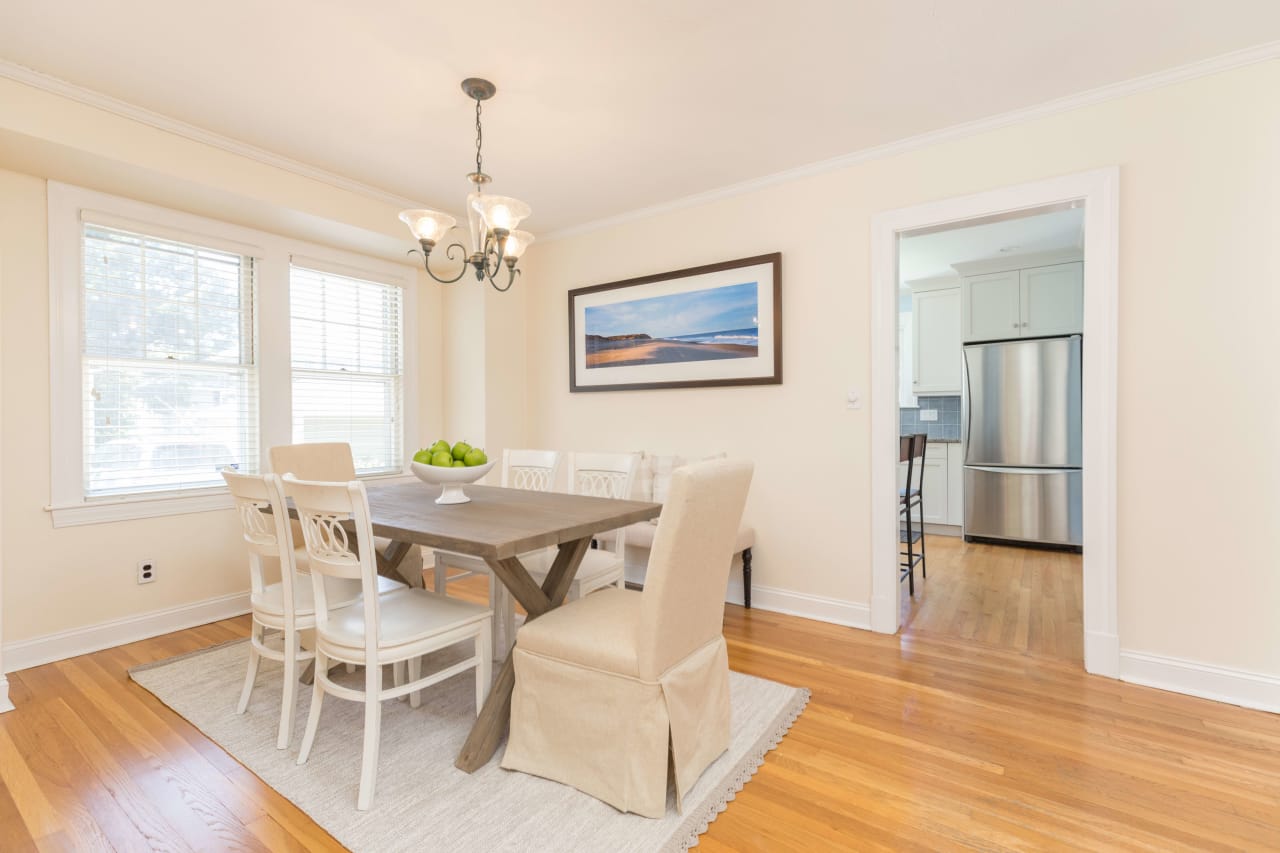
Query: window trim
x,y
67,209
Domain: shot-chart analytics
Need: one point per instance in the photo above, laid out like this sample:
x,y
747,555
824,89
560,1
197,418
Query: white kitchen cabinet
x,y
937,356
1052,300
1030,301
935,489
991,309
943,483
955,484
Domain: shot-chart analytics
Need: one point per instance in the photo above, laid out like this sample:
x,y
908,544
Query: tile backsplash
x,y
946,426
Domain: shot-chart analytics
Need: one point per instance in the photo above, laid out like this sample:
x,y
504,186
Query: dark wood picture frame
x,y
775,293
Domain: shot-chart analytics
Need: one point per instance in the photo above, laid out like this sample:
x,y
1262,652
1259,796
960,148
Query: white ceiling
x,y
603,107
931,255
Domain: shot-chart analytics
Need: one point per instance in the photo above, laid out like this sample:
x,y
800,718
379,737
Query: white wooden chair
x,y
332,462
600,475
397,627
286,605
534,470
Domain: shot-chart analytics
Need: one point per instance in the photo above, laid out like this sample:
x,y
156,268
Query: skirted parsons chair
x,y
610,686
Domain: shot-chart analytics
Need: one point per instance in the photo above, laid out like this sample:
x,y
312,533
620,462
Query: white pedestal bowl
x,y
451,480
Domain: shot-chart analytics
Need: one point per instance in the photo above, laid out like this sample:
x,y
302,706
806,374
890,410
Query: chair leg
x,y
372,735
924,564
350,668
746,578
911,556
397,675
484,664
256,634
415,672
317,697
289,702
441,573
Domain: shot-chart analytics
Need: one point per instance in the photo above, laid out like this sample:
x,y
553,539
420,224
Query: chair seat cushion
x,y
641,534
599,631
595,563
404,616
339,591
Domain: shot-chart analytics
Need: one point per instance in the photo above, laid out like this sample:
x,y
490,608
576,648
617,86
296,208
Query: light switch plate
x,y
928,414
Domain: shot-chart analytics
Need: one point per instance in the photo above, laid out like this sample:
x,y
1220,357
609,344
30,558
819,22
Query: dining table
x,y
498,525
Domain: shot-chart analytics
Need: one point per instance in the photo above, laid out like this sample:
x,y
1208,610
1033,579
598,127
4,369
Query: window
x,y
348,373
168,374
180,345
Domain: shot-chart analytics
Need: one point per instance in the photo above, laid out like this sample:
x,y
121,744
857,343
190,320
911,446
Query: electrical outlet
x,y
928,414
146,571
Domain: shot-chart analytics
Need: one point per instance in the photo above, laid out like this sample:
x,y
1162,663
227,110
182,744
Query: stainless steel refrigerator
x,y
1021,432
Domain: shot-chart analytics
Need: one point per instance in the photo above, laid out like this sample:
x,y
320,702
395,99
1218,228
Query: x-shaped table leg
x,y
495,716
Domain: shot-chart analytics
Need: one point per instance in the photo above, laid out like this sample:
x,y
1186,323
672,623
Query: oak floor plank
x,y
990,738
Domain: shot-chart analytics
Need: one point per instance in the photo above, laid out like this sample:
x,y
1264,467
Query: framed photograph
x,y
720,324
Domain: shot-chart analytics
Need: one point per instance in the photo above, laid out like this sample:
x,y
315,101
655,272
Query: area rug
x,y
422,801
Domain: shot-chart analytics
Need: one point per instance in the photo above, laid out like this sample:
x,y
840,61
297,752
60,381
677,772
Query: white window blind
x,y
170,380
348,365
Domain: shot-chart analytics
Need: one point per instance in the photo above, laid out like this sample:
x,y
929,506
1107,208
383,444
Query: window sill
x,y
130,508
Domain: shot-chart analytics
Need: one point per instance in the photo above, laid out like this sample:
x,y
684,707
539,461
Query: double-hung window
x,y
168,373
346,337
181,346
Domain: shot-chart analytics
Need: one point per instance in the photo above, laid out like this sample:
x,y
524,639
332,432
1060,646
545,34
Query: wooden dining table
x,y
498,525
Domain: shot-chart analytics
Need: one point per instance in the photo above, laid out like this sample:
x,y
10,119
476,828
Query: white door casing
x,y
1099,191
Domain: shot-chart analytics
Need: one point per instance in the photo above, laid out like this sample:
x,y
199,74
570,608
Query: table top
x,y
497,523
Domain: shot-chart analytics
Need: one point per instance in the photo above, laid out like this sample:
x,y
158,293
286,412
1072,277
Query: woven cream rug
x,y
423,802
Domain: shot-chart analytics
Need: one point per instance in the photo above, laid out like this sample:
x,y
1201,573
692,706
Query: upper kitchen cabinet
x,y
1027,297
937,357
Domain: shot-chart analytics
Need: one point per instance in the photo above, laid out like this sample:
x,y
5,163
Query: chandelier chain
x,y
479,140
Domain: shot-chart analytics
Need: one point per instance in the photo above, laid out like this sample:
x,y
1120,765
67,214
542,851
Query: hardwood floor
x,y
909,743
1020,599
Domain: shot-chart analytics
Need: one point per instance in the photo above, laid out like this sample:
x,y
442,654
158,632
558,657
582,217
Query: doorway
x,y
1096,193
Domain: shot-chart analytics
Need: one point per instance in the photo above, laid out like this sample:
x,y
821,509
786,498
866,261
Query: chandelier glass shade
x,y
492,220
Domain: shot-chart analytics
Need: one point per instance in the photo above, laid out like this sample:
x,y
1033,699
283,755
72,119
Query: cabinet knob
x,y
1015,325
1024,325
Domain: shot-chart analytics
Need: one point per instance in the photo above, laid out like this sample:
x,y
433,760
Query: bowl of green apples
x,y
450,467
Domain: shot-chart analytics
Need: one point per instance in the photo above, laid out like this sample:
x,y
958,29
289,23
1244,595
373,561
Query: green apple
x,y
458,463
475,457
438,446
423,456
442,459
461,449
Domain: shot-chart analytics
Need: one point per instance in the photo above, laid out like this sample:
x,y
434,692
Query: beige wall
x,y
62,579
1199,420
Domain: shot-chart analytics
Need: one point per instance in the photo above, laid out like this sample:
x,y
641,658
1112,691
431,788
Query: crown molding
x,y
55,86
1110,92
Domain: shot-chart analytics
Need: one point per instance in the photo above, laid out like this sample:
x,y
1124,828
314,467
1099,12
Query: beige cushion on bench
x,y
640,535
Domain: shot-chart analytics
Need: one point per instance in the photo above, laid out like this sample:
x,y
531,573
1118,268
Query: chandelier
x,y
492,219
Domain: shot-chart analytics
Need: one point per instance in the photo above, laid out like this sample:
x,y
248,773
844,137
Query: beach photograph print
x,y
700,325
718,324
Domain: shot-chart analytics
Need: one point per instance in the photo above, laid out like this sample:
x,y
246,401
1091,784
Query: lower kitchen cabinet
x,y
943,483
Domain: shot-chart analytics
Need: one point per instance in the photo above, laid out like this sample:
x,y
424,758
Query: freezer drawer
x,y
1024,504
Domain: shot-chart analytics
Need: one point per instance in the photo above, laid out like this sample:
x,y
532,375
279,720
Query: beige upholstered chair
x,y
394,628
332,462
608,686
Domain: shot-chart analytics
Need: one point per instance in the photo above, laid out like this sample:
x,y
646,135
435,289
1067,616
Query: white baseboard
x,y
5,704
117,632
834,610
1233,686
